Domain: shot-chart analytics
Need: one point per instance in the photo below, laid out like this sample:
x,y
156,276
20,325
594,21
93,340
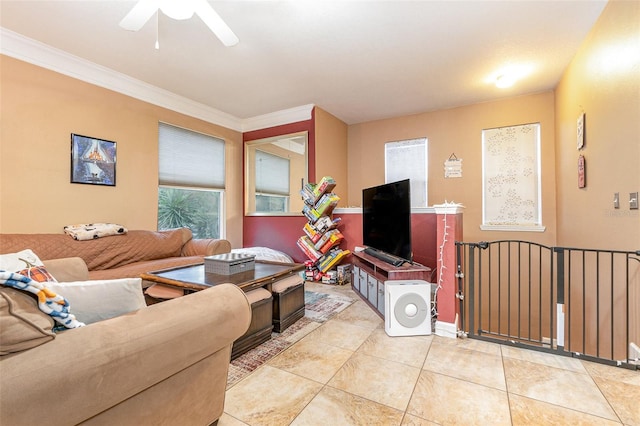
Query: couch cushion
x,y
102,253
133,270
135,246
97,300
286,283
26,263
22,325
67,269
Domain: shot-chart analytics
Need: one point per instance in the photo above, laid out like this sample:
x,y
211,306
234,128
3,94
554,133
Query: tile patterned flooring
x,y
349,372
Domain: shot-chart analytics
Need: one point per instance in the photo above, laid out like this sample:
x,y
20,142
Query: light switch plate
x,y
633,200
616,200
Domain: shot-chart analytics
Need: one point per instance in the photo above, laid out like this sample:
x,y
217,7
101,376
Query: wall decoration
x,y
511,178
582,176
580,131
93,161
453,167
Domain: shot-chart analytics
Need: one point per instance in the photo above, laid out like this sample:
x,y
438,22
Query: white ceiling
x,y
358,60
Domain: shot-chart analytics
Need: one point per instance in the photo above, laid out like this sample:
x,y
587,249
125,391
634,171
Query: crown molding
x,y
37,53
278,118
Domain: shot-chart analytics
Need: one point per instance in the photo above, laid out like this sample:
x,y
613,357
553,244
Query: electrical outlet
x,y
616,200
633,200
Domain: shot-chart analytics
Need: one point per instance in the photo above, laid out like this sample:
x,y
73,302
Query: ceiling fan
x,y
179,9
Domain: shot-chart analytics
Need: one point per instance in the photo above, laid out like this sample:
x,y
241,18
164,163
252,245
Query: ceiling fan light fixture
x,y
178,10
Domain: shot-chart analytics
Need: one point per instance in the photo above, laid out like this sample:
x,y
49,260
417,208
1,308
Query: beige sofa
x,y
164,364
120,256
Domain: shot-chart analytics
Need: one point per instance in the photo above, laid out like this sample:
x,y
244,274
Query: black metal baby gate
x,y
568,301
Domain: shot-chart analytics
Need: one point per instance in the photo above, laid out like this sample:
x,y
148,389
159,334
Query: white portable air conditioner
x,y
407,307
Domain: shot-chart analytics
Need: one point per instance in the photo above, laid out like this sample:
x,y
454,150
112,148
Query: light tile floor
x,y
349,372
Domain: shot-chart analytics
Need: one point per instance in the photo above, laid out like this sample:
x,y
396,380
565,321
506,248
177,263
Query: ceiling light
x,y
508,75
179,10
503,81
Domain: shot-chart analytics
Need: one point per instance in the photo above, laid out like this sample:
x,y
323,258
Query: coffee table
x,y
194,278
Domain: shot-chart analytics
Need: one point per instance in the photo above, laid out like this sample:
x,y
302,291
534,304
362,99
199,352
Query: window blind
x,y
272,174
188,158
407,159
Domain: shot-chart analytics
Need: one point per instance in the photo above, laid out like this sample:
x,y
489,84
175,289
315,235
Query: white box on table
x,y
229,263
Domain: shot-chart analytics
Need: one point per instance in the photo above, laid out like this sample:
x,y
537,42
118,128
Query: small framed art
x,y
582,172
93,161
580,131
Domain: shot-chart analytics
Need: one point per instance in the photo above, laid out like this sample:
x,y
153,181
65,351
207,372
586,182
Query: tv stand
x,y
370,273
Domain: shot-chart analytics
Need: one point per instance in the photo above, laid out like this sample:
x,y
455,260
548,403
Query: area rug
x,y
319,308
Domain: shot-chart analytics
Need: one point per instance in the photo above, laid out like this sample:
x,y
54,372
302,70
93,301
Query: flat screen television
x,y
386,218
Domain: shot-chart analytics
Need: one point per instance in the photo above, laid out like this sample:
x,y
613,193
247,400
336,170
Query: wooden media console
x,y
370,273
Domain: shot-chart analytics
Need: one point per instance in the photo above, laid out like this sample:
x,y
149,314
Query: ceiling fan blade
x,y
139,15
215,23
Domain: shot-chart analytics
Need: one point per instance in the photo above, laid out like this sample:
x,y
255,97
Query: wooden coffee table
x,y
194,278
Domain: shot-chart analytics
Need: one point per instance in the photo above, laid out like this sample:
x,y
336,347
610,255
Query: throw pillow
x,y
22,325
26,263
265,253
97,300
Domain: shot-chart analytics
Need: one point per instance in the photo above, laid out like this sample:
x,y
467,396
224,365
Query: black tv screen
x,y
386,218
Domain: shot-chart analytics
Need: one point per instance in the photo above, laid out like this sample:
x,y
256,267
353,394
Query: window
x,y
272,183
407,159
511,178
191,181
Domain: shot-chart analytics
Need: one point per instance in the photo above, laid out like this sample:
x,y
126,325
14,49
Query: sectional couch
x,y
120,256
164,364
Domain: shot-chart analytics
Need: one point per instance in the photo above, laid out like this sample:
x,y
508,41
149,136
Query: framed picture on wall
x,y
93,161
580,131
582,172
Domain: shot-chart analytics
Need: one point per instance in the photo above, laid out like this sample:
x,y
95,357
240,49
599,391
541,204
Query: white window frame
x,y
285,199
215,182
407,154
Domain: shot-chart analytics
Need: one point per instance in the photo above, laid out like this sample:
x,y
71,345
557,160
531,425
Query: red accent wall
x,y
276,232
424,239
423,235
282,232
449,231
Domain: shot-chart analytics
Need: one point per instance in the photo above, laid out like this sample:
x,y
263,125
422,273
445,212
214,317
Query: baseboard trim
x,y
446,329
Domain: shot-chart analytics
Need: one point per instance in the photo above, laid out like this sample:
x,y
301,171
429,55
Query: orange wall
x,y
603,81
331,151
459,131
40,110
